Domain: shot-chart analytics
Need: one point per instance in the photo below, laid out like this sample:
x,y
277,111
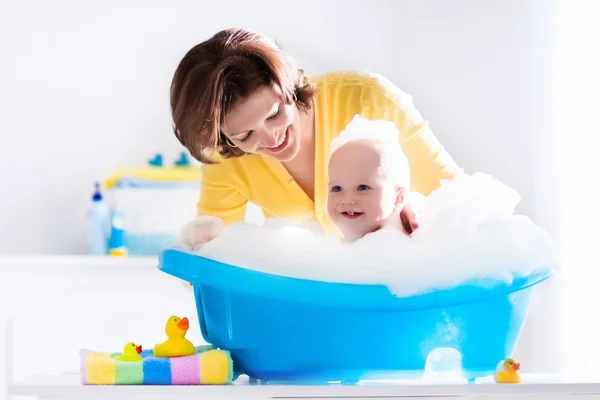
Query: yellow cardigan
x,y
227,187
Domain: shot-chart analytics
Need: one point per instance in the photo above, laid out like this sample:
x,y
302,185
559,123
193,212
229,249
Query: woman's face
x,y
264,124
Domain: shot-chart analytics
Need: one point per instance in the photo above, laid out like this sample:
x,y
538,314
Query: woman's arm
x,y
222,202
428,160
221,194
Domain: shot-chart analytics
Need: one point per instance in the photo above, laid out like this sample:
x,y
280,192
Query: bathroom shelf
x,y
49,261
68,386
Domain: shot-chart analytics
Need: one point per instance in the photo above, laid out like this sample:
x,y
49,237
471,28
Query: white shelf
x,y
76,261
533,387
69,386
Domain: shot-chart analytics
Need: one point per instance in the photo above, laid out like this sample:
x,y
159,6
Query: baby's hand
x,y
409,215
408,219
201,230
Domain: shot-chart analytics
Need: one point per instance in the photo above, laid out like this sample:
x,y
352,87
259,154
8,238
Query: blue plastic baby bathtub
x,y
286,329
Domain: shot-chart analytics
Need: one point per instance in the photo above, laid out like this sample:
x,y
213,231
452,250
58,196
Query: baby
x,y
369,178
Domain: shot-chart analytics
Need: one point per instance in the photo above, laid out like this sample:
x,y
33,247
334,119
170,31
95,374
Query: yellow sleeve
x,y
222,194
428,160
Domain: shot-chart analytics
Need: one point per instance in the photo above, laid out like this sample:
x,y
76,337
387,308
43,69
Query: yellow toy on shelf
x,y
131,353
165,174
508,372
176,345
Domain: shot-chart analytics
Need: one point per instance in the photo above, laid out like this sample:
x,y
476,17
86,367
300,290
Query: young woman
x,y
262,128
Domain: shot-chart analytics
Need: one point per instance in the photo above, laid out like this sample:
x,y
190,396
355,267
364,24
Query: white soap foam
x,y
467,230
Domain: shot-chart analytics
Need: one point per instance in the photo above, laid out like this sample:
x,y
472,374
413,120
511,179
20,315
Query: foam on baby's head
x,y
360,128
382,135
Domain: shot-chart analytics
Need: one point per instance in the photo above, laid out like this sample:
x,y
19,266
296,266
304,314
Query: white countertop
x,y
533,386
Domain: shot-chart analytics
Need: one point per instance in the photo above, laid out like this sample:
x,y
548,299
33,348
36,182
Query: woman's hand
x,y
201,230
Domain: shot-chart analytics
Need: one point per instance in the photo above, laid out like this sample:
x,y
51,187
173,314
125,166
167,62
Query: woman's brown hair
x,y
219,72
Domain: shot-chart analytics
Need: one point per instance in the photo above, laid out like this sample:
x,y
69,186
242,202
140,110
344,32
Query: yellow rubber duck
x,y
131,353
177,345
508,372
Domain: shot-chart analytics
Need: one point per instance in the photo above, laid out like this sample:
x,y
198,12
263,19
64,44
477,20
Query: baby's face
x,y
359,198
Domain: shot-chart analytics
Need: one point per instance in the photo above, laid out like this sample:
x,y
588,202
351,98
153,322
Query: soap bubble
x,y
467,229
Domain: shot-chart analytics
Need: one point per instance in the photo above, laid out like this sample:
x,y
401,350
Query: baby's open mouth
x,y
351,214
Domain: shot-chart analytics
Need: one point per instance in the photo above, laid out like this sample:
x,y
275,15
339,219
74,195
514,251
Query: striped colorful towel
x,y
209,366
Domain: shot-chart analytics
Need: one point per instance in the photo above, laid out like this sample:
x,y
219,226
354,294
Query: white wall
x,y
85,87
85,90
579,122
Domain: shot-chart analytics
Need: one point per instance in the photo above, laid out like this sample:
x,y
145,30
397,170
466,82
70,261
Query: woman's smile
x,y
281,143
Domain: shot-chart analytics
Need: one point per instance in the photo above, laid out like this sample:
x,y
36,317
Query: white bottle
x,y
98,223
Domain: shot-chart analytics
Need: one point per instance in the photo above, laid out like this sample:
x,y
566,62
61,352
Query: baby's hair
x,y
382,134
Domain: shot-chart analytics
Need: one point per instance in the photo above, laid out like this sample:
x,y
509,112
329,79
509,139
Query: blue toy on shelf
x,y
285,329
156,161
183,160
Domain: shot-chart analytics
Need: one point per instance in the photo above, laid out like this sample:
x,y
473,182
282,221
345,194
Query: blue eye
x,y
363,187
336,189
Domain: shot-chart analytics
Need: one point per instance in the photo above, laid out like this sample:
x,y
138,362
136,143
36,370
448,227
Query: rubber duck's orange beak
x,y
138,349
517,366
184,324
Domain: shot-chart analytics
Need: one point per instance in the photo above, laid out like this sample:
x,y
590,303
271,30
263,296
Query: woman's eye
x,y
363,187
245,138
336,189
276,112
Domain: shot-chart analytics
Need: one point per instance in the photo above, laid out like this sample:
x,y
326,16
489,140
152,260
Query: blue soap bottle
x,y
98,224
